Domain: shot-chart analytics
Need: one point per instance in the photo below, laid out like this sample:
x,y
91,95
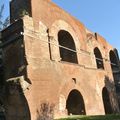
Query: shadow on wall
x,y
46,112
15,74
16,104
2,110
110,99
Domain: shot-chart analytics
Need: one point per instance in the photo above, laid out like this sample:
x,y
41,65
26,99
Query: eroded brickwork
x,y
35,69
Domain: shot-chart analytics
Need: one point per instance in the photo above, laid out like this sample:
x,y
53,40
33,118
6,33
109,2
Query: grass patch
x,y
99,117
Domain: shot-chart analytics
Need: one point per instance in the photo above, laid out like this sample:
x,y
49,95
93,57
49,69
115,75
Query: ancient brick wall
x,y
49,79
52,78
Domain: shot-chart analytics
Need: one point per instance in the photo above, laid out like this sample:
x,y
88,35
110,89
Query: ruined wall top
x,y
19,8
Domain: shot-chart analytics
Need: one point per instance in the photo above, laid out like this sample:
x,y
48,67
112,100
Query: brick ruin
x,y
47,57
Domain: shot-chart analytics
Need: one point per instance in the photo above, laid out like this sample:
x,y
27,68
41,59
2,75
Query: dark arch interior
x,y
115,70
106,101
66,40
116,52
75,103
99,59
113,60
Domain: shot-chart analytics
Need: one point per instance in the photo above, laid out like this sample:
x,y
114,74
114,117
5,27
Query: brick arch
x,y
53,32
97,45
99,58
66,40
113,57
109,49
92,45
75,103
114,63
67,88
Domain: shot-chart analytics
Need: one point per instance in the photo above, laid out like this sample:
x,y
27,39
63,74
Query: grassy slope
x,y
106,117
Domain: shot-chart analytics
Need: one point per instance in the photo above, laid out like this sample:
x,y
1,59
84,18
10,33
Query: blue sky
x,y
6,8
101,16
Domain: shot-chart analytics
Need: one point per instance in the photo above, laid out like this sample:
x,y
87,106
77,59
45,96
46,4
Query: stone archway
x,y
106,101
75,103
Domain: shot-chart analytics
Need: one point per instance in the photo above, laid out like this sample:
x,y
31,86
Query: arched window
x,y
66,41
115,69
99,59
113,60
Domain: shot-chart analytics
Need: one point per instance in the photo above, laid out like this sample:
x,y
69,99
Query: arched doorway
x,y
99,59
106,101
66,40
75,103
